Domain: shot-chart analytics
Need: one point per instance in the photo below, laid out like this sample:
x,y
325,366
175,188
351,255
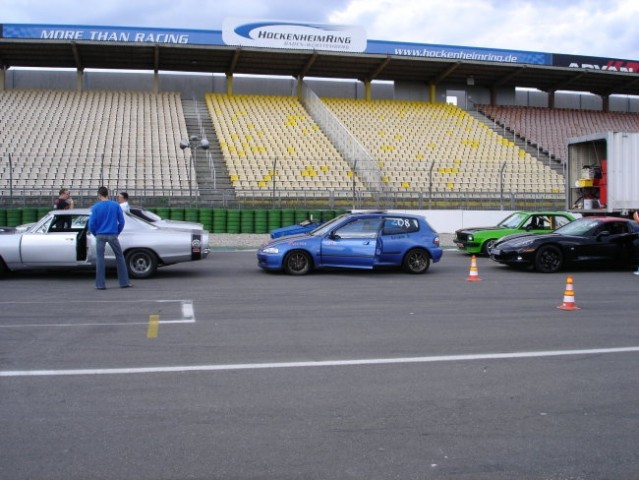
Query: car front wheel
x,y
488,244
141,263
548,259
298,262
416,261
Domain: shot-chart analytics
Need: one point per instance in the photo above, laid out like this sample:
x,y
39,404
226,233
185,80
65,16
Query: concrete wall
x,y
447,221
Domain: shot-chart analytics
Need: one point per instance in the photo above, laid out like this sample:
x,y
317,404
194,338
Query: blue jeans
x,y
100,266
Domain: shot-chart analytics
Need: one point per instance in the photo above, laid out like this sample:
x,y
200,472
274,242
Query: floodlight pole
x,y
273,177
10,178
194,142
354,169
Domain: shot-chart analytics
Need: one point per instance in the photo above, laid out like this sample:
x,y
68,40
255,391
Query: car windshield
x,y
327,227
578,227
512,221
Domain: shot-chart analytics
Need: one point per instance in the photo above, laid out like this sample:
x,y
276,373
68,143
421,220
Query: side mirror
x,y
603,234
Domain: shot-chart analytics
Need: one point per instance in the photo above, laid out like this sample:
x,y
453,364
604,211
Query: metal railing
x,y
23,181
300,198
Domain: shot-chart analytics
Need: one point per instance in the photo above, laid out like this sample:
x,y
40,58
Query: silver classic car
x,y
60,240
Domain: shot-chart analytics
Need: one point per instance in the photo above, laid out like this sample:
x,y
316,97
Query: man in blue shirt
x,y
106,223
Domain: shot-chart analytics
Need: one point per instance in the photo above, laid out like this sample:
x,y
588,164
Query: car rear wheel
x,y
548,259
298,262
416,261
141,263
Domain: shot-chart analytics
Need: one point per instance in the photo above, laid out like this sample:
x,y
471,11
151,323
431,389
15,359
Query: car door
x,y
608,243
394,240
351,245
52,246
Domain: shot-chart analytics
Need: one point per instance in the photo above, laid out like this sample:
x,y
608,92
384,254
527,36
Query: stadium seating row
x,y
129,140
551,128
272,140
417,146
439,145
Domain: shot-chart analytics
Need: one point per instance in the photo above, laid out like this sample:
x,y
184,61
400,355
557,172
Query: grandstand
x,y
271,143
394,137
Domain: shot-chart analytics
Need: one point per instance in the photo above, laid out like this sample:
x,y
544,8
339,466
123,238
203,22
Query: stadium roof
x,y
83,55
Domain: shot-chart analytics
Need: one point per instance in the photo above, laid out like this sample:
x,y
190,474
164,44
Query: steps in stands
x,y
212,175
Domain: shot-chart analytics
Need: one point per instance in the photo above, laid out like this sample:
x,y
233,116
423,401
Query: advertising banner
x,y
293,35
111,34
448,52
596,63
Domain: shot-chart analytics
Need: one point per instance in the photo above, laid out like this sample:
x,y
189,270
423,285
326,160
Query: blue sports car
x,y
302,227
356,240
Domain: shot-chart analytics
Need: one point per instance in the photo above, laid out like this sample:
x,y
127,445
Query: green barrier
x,y
288,217
274,219
3,217
14,217
42,211
233,221
247,220
163,212
29,215
261,221
301,215
315,215
176,213
327,215
191,215
206,218
219,220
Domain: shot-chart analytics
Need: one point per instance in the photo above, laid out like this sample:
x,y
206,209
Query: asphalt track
x,y
217,370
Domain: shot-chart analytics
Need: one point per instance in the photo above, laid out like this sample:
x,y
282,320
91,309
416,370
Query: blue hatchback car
x,y
356,240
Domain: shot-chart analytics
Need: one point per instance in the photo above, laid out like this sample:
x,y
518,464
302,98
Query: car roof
x,y
544,212
383,213
605,218
72,211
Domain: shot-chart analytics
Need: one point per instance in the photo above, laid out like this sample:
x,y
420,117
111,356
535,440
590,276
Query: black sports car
x,y
605,241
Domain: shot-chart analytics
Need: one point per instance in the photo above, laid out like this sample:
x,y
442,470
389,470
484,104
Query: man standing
x,y
123,200
63,202
106,223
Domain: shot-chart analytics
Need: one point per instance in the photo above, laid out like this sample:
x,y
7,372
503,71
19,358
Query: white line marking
x,y
188,316
94,301
187,310
112,324
328,363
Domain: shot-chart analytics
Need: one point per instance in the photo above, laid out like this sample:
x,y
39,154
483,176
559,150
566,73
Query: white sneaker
x,y
636,272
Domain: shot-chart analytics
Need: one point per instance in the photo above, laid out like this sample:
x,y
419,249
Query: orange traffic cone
x,y
473,275
569,297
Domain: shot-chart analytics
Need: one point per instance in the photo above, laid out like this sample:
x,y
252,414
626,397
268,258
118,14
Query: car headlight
x,y
271,250
470,238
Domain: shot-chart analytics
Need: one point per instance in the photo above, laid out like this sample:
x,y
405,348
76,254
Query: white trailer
x,y
602,174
